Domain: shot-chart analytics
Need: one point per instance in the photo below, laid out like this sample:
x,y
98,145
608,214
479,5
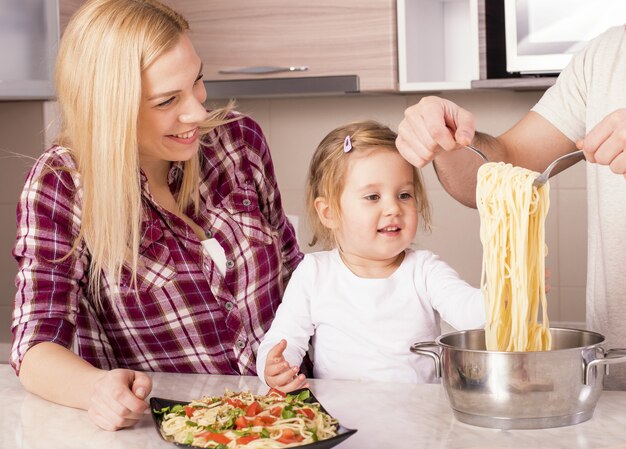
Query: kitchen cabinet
x,y
29,34
348,40
331,47
351,46
437,44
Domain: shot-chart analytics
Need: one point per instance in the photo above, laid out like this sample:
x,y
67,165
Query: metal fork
x,y
543,178
477,151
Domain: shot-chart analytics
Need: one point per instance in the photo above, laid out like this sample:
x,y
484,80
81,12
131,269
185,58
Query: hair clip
x,y
347,144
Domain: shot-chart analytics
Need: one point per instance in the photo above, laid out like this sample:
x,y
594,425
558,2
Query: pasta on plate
x,y
512,231
244,420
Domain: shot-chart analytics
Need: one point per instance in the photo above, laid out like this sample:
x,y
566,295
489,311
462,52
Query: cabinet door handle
x,y
261,70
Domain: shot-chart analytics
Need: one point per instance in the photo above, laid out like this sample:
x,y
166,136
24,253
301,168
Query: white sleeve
x,y
458,303
292,321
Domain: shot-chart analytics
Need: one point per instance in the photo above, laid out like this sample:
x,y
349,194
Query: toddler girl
x,y
370,296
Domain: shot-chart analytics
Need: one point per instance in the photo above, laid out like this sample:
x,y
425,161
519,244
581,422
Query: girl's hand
x,y
118,398
278,373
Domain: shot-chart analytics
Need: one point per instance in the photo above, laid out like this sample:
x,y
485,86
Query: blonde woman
x,y
367,298
151,237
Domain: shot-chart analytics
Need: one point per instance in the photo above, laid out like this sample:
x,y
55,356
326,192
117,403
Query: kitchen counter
x,y
386,416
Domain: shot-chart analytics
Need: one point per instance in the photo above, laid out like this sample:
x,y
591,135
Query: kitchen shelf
x,y
437,44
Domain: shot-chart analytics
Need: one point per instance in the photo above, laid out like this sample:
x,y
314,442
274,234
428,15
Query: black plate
x,y
342,432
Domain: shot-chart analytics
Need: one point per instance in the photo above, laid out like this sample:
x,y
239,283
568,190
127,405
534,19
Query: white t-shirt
x,y
592,86
363,328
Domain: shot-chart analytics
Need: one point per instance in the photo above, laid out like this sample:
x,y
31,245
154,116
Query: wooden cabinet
x,y
329,38
347,46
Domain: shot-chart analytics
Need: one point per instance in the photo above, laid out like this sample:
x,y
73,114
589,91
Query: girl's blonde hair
x,y
104,50
328,167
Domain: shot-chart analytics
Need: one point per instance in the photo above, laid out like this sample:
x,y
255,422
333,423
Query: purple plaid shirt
x,y
184,316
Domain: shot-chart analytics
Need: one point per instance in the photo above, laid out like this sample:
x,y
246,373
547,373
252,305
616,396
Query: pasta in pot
x,y
244,420
512,231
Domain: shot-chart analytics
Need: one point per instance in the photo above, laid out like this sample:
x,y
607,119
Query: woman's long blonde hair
x,y
328,167
104,50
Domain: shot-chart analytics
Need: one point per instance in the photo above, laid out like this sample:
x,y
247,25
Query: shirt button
x,y
230,264
229,306
209,235
240,344
247,202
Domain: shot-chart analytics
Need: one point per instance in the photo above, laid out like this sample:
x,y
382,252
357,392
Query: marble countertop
x,y
386,416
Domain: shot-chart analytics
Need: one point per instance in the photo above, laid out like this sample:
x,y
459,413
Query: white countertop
x,y
386,416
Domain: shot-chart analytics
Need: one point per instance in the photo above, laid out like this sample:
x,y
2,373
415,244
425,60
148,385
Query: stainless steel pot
x,y
522,390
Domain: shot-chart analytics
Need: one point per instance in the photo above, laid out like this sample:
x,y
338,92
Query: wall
x,y
294,127
21,138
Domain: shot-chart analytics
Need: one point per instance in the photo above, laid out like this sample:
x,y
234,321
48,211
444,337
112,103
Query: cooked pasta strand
x,y
512,231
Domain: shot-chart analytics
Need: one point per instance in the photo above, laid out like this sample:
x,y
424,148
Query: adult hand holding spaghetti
x,y
432,126
606,142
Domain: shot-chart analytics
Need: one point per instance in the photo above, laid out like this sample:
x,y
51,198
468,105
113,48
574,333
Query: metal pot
x,y
522,390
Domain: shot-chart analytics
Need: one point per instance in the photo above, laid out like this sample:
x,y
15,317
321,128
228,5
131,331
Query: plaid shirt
x,y
184,316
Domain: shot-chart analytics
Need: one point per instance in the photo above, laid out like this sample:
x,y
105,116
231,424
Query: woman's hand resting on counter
x,y
278,374
118,398
114,399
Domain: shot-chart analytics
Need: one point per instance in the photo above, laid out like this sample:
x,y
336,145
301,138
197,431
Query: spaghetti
x,y
244,420
512,215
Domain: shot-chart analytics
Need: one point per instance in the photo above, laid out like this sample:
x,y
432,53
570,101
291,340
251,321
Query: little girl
x,y
368,298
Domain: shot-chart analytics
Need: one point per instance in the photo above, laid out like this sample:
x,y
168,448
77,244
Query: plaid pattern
x,y
185,316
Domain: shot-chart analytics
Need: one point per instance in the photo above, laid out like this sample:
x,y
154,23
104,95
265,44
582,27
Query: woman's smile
x,y
186,138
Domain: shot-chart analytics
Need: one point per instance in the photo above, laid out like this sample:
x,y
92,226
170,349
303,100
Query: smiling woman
x,y
114,220
171,109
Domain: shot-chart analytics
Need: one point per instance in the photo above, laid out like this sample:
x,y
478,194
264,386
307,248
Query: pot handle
x,y
417,348
611,357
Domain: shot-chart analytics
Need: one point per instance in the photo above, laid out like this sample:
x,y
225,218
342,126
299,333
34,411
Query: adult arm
x,y
113,399
47,303
435,129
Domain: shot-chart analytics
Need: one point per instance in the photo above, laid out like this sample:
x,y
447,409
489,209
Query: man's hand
x,y
118,398
431,126
606,142
278,373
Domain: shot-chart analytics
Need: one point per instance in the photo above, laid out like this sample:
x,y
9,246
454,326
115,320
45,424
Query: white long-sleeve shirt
x,y
362,328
